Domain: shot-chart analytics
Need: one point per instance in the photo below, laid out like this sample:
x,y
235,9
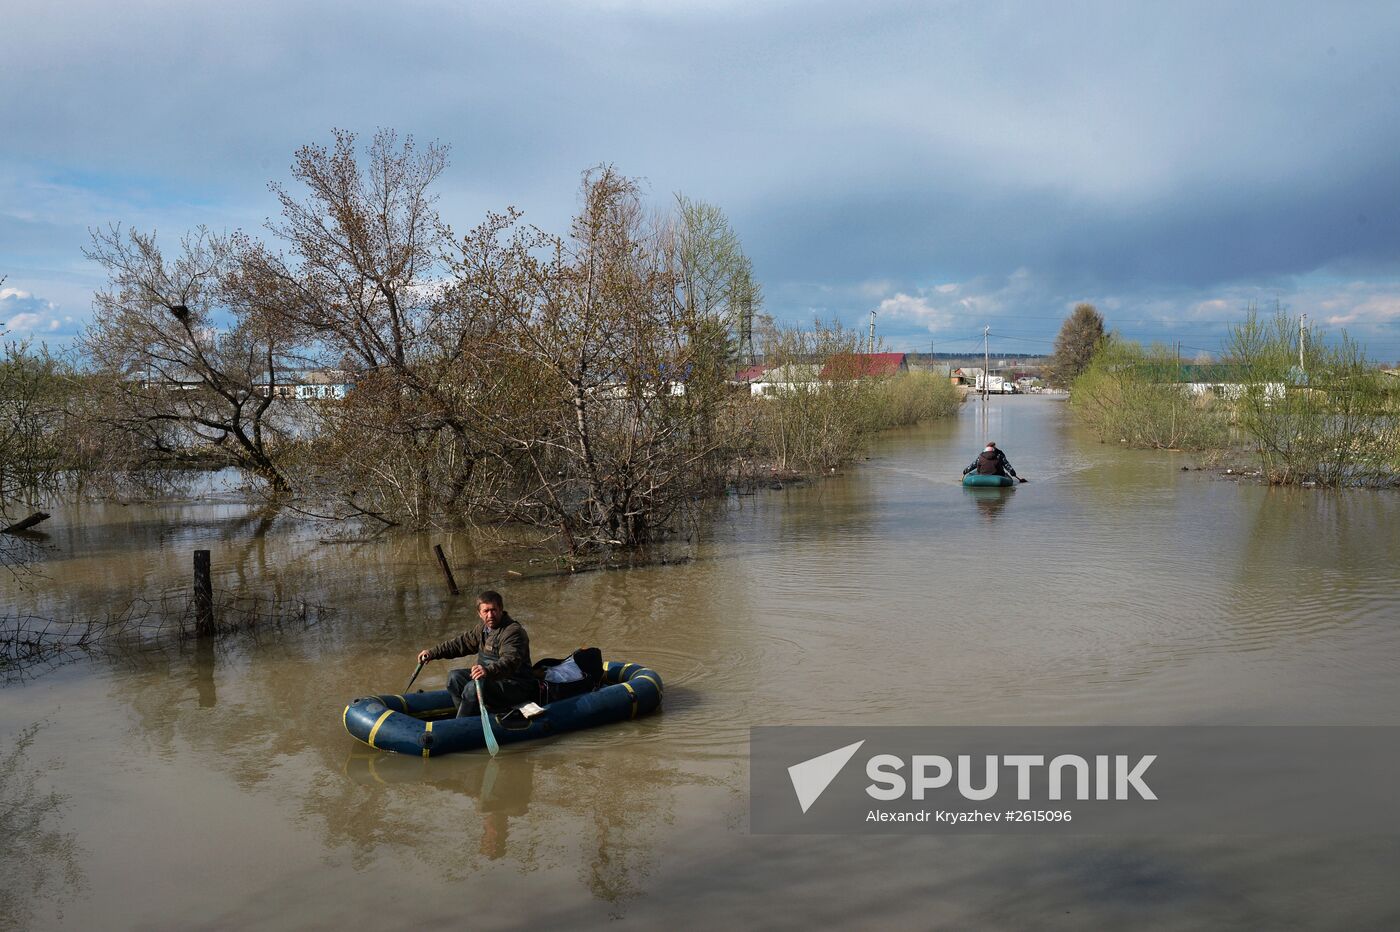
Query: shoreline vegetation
x,y
582,385
1307,410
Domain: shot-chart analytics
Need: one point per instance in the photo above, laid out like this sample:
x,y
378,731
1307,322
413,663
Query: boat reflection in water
x,y
503,789
990,499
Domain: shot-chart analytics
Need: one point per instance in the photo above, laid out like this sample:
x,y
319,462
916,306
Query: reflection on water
x,y
204,673
41,858
990,501
1113,588
502,787
533,810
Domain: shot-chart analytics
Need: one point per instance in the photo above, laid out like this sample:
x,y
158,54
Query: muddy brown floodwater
x,y
180,788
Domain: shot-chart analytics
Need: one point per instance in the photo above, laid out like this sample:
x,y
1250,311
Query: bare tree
x,y
175,383
33,448
570,383
590,342
364,279
365,248
810,424
716,297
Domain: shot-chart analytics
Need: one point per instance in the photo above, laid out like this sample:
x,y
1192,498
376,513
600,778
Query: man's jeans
x,y
500,693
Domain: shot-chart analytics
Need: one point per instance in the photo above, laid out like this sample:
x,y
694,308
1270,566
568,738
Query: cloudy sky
x,y
950,165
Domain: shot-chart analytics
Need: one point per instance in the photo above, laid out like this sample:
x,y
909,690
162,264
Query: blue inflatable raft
x,y
423,723
973,478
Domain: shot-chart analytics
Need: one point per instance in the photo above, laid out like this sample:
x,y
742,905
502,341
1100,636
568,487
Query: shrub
x,y
908,398
1139,396
1317,411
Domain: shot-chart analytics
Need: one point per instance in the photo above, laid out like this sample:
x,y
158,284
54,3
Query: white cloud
x,y
1374,309
21,322
956,305
23,314
916,308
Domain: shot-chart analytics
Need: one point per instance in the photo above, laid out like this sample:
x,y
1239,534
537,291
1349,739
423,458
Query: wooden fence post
x,y
203,595
446,570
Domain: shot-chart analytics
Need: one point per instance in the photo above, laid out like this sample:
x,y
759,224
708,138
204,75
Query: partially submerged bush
x,y
1314,410
802,423
908,398
820,410
1143,397
1318,411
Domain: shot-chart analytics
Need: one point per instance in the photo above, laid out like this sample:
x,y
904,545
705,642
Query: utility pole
x,y
1302,341
870,348
1176,391
986,362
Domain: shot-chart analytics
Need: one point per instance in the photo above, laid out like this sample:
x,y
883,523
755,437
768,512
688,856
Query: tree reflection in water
x,y
41,861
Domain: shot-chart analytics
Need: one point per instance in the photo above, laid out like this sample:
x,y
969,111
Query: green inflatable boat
x,y
974,479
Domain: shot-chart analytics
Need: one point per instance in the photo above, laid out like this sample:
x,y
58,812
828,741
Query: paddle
x,y
1023,479
491,744
415,676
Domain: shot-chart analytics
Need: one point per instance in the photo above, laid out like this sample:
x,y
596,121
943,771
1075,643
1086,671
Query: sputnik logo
x,y
811,777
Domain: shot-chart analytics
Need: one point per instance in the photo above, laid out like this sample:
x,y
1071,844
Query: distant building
x,y
774,380
844,366
312,385
966,375
324,383
1222,380
791,377
749,375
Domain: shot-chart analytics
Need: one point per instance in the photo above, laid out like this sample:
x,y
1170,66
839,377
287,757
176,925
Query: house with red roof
x,y
846,366
774,380
750,374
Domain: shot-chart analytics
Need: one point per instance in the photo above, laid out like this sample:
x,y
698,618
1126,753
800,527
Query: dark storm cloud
x,y
1018,156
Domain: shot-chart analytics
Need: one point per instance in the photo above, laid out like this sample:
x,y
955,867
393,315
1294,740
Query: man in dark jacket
x,y
502,665
992,462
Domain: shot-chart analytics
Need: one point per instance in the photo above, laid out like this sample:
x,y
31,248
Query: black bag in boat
x,y
580,672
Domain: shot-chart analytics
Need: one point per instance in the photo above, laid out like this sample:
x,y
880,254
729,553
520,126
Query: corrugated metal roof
x,y
862,365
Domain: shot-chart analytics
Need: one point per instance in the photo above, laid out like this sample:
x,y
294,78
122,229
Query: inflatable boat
x,y
973,478
424,723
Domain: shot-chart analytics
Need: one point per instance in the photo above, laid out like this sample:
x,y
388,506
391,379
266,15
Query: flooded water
x,y
214,787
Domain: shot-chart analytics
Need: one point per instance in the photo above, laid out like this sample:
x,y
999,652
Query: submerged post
x,y
203,595
446,570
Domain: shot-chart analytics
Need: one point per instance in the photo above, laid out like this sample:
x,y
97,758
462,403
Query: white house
x,y
788,378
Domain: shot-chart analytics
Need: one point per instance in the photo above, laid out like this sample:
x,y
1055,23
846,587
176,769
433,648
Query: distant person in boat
x,y
502,665
992,462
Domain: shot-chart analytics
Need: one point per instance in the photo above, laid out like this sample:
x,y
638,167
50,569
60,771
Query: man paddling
x,y
992,462
502,665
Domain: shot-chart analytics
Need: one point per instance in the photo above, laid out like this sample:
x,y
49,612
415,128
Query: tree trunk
x,y
26,524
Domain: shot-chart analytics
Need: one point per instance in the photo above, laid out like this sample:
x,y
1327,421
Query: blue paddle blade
x,y
491,744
